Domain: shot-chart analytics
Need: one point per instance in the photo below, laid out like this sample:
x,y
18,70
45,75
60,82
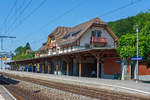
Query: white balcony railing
x,y
75,48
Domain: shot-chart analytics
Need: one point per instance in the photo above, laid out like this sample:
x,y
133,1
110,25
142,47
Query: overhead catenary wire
x,y
21,5
21,10
27,16
32,12
68,11
16,13
104,14
109,12
57,18
117,9
63,14
8,15
14,16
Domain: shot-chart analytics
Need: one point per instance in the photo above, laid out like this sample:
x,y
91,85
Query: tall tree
x,y
21,52
127,45
27,46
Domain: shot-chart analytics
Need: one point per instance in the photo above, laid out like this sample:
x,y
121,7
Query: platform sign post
x,y
136,67
137,58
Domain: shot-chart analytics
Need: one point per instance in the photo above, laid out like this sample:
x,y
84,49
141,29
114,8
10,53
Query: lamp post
x,y
137,63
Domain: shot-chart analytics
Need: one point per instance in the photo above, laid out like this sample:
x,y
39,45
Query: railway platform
x,y
126,86
5,94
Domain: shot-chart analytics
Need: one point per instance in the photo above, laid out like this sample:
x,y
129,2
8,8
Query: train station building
x,y
85,50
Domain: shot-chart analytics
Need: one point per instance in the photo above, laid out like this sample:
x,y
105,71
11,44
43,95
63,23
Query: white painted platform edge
x,y
126,88
115,86
9,93
103,84
1,98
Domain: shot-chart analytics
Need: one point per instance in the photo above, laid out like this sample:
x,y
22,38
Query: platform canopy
x,y
84,52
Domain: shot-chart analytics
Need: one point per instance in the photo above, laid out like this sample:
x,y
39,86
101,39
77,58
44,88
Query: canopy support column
x,y
79,57
56,67
67,59
48,68
67,69
80,69
32,66
98,58
98,55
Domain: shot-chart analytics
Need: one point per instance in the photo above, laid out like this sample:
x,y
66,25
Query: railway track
x,y
81,90
20,93
5,83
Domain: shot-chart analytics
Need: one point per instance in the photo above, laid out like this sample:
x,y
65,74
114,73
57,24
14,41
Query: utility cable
x,y
58,17
27,16
109,12
19,15
8,15
122,7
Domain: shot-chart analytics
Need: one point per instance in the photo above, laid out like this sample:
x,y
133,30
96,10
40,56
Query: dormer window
x,y
66,36
76,33
96,33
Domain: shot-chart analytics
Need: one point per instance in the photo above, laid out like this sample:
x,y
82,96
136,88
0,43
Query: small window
x,y
66,36
76,33
96,33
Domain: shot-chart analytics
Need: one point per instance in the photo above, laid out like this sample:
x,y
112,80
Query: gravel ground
x,y
54,94
126,86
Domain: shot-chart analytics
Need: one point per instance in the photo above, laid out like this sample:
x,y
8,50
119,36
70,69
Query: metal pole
x,y
1,63
1,50
137,77
1,43
2,37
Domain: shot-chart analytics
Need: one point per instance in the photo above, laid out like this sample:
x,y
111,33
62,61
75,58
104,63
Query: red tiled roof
x,y
84,27
43,47
60,31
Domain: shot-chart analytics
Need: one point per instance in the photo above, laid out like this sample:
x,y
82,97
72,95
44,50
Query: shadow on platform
x,y
7,81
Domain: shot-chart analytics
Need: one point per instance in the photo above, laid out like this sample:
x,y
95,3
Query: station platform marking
x,y
131,87
1,98
6,94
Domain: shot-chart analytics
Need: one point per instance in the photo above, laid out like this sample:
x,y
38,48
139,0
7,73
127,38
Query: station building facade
x,y
86,50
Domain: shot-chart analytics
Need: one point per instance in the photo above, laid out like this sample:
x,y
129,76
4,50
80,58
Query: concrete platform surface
x,y
5,94
126,86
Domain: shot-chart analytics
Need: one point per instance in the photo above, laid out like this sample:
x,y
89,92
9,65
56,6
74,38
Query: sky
x,y
33,20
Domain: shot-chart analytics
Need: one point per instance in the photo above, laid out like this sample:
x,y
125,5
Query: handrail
x,y
98,39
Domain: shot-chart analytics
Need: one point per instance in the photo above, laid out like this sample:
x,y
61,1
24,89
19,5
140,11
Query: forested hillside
x,y
127,25
125,29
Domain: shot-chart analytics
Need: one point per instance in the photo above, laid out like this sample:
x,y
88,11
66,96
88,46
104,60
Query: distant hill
x,y
127,25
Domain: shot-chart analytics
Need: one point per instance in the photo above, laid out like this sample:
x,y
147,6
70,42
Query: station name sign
x,y
137,58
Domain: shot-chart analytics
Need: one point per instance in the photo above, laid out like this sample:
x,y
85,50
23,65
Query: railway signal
x,y
3,58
